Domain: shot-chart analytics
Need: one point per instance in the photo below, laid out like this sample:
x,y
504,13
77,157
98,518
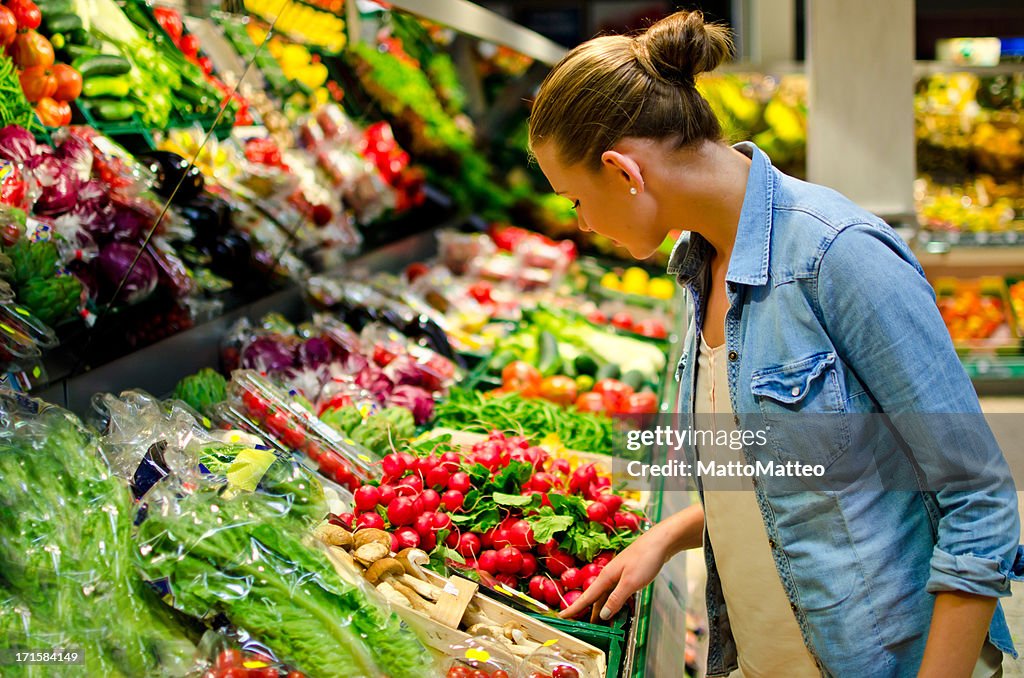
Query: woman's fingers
x,y
619,597
604,583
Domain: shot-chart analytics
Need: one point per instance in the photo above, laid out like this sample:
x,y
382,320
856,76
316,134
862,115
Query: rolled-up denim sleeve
x,y
880,313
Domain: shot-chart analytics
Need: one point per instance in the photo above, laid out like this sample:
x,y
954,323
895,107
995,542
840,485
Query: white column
x,y
771,31
860,137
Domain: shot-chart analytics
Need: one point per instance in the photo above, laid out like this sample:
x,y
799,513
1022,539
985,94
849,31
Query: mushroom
x,y
391,595
371,545
333,535
413,575
389,571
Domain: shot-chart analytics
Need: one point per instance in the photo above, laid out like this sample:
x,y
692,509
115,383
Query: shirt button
x,y
736,419
733,356
795,391
771,543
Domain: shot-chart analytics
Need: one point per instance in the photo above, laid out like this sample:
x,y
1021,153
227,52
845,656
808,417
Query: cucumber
x,y
105,86
108,109
79,52
585,364
608,371
48,7
80,36
61,23
104,64
634,378
548,361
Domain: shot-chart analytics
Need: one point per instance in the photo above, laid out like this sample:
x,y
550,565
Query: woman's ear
x,y
625,168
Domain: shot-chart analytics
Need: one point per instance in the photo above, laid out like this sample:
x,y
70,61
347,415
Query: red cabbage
x,y
354,363
77,152
59,184
314,352
406,370
17,144
127,224
114,264
413,398
373,379
268,354
93,209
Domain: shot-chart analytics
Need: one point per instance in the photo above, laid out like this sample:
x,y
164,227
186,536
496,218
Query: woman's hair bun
x,y
681,46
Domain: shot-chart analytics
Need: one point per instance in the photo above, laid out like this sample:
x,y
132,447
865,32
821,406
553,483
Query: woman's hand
x,y
634,568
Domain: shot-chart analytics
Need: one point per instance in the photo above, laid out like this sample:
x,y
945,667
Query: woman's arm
x,y
640,562
960,622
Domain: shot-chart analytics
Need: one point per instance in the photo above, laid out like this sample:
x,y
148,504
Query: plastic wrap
x,y
247,558
482,654
297,428
67,577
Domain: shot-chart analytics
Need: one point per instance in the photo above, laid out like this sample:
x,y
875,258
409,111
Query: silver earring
x,y
632,190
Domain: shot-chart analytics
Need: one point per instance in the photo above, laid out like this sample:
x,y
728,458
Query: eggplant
x,y
171,170
210,217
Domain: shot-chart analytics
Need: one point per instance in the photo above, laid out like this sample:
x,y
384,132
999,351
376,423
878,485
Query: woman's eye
x,y
576,205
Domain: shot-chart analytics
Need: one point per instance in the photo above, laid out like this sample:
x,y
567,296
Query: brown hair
x,y
618,86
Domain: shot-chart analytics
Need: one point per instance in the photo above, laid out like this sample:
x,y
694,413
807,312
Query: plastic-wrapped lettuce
x,y
67,574
250,557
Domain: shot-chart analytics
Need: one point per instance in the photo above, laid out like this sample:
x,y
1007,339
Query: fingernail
x,y
606,614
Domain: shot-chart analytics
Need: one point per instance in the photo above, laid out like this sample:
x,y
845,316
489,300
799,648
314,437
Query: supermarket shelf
x,y
942,259
921,68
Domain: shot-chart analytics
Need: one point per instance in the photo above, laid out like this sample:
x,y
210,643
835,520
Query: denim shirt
x,y
830,312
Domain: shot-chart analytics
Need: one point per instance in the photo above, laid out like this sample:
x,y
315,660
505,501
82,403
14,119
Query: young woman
x,y
803,304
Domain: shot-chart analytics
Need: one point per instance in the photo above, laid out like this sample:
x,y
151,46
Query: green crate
x,y
610,639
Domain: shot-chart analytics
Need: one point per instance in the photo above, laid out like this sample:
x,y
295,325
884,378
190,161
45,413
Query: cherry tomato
x,y
228,658
615,393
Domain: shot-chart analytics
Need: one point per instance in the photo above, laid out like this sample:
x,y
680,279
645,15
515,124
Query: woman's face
x,y
604,203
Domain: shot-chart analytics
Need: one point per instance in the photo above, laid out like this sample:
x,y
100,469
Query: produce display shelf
x,y
938,242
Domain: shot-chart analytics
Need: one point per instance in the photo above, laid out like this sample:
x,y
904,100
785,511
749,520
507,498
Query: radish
x,y
424,524
408,538
346,520
487,538
603,558
471,563
452,540
460,482
561,466
452,500
417,504
370,519
597,512
590,570
570,578
409,460
431,500
529,567
552,593
611,500
510,560
442,521
520,535
629,521
429,542
488,561
367,497
469,545
401,511
438,477
425,465
558,562
582,477
387,494
541,481
588,582
413,481
396,544
393,464
547,548
496,435
570,597
450,461
509,580
537,588
602,482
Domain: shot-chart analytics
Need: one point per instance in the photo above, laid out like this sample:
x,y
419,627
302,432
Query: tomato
x,y
643,402
615,393
597,317
560,390
31,49
69,83
53,113
459,672
622,320
521,376
293,437
37,82
565,671
652,327
481,292
8,26
591,402
189,45
257,406
229,658
26,13
499,674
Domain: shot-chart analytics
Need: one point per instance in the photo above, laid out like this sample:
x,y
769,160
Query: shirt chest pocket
x,y
803,408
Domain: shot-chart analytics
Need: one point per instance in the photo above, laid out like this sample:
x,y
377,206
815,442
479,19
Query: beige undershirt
x,y
767,636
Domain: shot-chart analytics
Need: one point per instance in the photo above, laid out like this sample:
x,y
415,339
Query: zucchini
x,y
608,371
105,86
194,96
103,64
61,23
110,110
548,361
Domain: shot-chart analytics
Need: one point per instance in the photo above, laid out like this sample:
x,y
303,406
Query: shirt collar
x,y
749,263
